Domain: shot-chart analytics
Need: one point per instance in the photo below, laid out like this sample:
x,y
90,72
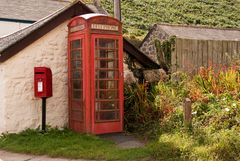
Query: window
x,y
76,80
106,80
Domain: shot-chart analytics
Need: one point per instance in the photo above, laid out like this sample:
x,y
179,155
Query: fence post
x,y
187,108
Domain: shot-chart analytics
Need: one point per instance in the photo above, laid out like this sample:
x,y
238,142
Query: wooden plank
x,y
205,53
219,52
183,65
189,56
174,59
190,59
210,52
224,53
200,53
238,49
179,54
230,52
234,50
185,54
195,56
215,53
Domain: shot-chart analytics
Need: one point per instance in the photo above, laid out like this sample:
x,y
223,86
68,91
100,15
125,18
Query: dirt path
x,y
8,156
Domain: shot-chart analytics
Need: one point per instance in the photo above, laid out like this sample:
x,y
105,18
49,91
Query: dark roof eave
x,y
139,56
17,20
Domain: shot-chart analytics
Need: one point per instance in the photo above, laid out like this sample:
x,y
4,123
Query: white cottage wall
x,y
2,100
22,109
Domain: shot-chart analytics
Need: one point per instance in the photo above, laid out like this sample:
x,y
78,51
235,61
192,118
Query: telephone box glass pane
x,y
76,79
106,53
108,74
106,63
76,44
76,54
77,75
106,80
106,43
76,64
108,115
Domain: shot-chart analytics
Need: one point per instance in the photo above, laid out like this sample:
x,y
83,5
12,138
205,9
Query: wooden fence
x,y
189,54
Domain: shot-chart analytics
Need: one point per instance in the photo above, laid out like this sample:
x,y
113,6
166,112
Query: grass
x,y
220,146
68,144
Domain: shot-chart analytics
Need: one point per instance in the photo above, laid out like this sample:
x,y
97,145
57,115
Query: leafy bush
x,y
226,145
140,112
157,110
218,81
153,108
217,107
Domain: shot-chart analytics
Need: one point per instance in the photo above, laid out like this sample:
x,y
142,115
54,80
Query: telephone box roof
x,y
90,15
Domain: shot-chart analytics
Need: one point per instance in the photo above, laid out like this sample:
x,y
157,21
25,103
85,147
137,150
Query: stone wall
x,y
132,69
22,109
148,46
128,74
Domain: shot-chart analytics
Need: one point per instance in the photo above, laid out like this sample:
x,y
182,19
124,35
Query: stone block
x,y
155,75
129,77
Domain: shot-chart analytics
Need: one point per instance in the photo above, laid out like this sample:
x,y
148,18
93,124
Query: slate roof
x,y
7,41
201,32
29,10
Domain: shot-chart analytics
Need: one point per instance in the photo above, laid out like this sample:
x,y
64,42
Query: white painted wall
x,y
2,100
7,27
22,109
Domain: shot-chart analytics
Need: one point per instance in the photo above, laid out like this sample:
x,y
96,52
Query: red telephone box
x,y
95,61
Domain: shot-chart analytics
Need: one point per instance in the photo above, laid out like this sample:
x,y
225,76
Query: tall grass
x,y
219,81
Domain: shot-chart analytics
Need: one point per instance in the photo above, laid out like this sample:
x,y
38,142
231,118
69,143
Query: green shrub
x,y
226,145
157,110
140,112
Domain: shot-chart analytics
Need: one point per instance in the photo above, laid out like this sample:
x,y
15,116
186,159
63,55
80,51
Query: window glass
x,y
106,80
76,44
77,74
107,74
75,59
106,43
76,54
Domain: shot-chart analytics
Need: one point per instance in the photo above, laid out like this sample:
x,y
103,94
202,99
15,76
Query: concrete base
x,y
123,140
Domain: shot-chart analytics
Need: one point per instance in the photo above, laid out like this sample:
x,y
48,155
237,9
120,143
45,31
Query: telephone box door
x,y
107,113
76,83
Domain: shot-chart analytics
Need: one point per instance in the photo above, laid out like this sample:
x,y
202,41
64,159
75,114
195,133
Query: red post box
x,y
42,82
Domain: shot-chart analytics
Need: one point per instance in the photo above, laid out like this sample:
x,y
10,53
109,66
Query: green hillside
x,y
139,15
